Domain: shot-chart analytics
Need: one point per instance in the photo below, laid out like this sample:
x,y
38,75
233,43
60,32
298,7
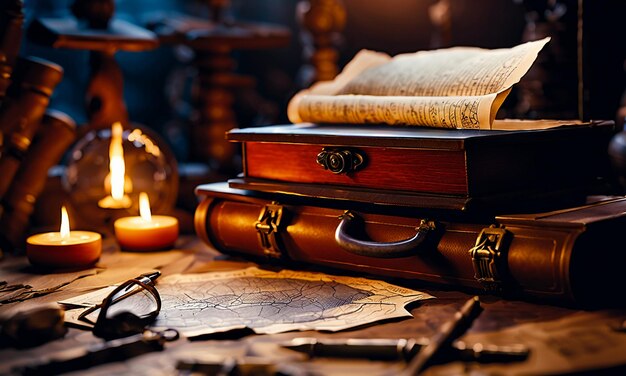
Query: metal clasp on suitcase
x,y
400,248
267,226
486,255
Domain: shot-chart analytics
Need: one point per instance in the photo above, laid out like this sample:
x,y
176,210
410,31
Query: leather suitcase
x,y
571,256
469,170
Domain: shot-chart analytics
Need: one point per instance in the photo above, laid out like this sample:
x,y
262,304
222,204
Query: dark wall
x,y
157,83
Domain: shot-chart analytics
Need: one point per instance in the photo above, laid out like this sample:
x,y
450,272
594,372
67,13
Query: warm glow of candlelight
x,y
116,162
146,232
116,180
64,249
138,136
144,207
65,224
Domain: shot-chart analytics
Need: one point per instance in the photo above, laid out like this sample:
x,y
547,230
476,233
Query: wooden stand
x,y
322,22
95,30
213,41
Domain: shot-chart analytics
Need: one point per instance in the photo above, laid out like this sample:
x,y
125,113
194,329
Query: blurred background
x,y
254,55
157,83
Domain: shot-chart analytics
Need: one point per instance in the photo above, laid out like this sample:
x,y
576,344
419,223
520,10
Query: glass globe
x,y
93,176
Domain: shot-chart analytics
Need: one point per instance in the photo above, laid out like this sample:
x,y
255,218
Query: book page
x,y
460,87
520,125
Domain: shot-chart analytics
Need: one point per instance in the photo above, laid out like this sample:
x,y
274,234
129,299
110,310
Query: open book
x,y
459,87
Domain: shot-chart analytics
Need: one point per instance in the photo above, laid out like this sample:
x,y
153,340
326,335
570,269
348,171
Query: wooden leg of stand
x,y
322,22
105,92
213,100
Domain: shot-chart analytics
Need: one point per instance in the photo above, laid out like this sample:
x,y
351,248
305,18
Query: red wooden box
x,y
424,167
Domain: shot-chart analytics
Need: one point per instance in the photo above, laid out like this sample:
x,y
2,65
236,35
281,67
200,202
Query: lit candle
x,y
64,249
116,179
146,232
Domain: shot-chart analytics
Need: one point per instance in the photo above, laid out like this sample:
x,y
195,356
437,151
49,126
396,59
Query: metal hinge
x,y
267,227
486,257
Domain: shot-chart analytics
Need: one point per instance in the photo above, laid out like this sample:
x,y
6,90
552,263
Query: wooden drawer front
x,y
436,171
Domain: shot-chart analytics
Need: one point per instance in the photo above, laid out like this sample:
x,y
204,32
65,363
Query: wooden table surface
x,y
562,340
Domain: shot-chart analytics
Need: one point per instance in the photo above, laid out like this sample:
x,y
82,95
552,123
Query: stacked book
x,y
399,168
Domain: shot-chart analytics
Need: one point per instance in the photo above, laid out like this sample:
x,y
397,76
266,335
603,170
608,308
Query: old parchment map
x,y
269,302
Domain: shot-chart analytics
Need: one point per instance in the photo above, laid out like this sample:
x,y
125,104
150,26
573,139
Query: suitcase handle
x,y
400,248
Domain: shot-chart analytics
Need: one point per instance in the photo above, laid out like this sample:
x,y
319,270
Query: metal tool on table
x,y
445,336
110,351
419,353
388,349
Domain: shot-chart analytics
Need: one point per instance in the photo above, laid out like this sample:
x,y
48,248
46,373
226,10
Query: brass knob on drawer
x,y
340,161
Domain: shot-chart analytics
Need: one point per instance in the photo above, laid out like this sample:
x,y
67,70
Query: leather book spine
x,y
536,260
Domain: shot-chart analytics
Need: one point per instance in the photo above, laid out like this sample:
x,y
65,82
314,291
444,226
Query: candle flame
x,y
116,162
138,136
144,207
65,224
